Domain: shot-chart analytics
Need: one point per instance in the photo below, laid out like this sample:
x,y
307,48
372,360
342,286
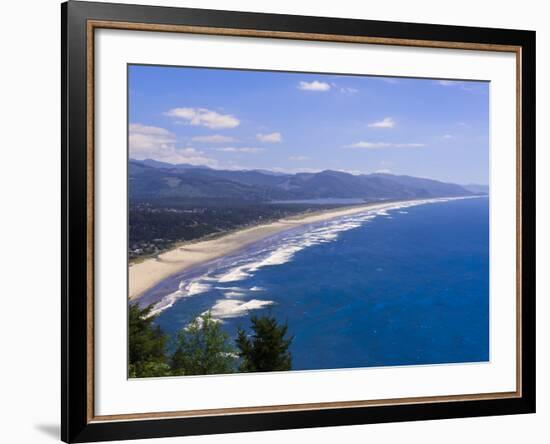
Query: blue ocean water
x,y
404,286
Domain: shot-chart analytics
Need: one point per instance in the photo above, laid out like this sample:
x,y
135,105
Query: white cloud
x,y
298,158
269,138
378,145
473,87
353,172
383,171
150,130
313,170
446,83
152,142
314,86
409,145
194,157
387,122
348,90
447,136
344,89
232,149
369,145
216,138
143,138
296,170
390,80
204,117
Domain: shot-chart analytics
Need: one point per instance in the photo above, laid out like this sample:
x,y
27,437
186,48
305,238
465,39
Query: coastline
x,y
144,275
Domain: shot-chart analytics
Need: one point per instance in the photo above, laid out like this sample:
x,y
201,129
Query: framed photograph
x,y
275,221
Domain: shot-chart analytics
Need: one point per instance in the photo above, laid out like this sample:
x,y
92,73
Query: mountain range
x,y
153,179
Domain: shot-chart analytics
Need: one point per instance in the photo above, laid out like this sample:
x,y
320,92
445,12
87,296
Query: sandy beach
x,y
146,274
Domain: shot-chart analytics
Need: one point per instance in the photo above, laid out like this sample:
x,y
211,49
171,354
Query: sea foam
x,y
185,289
279,252
231,308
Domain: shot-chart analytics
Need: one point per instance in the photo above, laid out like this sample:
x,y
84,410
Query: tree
x,y
150,369
203,349
267,349
146,344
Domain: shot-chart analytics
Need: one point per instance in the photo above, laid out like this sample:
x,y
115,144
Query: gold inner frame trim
x,y
92,25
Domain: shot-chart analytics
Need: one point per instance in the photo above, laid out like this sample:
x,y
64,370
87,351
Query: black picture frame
x,y
76,423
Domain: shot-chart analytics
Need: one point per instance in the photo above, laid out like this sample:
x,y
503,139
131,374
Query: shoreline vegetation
x,y
147,273
234,229
203,348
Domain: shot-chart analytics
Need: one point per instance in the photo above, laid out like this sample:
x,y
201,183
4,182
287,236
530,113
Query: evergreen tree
x,y
146,344
203,349
267,349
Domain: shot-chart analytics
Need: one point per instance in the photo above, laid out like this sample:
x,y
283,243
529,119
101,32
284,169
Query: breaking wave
x,y
279,250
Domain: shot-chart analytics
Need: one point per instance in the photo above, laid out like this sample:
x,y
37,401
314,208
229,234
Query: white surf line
x,y
322,231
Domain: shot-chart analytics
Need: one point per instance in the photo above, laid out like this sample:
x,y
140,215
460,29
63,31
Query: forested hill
x,y
152,179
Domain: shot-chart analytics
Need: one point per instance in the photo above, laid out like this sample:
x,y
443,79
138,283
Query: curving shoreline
x,y
144,275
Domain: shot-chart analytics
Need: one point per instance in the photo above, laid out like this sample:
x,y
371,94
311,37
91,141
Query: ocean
x,y
404,286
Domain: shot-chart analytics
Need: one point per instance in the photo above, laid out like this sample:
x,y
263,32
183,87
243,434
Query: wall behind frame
x,y
30,255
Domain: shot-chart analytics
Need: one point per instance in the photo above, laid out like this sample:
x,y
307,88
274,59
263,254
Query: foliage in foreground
x,y
203,348
147,345
268,348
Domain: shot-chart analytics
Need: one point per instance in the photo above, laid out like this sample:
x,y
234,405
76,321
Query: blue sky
x,y
310,122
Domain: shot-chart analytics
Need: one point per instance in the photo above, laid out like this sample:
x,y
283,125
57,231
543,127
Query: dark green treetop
x,y
268,347
146,345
